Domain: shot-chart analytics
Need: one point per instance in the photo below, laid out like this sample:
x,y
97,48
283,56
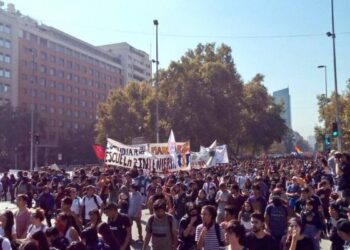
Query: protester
x,y
108,237
295,239
258,239
22,216
37,223
135,208
235,236
161,228
187,227
89,202
209,234
120,225
47,203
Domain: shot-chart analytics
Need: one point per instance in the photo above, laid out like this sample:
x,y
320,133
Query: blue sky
x,y
282,39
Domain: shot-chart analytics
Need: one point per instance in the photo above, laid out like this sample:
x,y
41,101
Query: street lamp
x,y
332,34
32,114
155,22
325,78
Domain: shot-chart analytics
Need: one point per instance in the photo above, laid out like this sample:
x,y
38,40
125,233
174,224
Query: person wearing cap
x,y
119,224
343,229
276,215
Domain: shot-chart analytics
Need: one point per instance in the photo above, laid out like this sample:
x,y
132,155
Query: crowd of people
x,y
284,203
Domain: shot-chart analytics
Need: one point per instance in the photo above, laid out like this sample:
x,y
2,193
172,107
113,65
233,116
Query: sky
x,y
285,40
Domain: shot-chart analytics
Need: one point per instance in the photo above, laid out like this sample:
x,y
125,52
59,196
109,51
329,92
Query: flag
x,y
211,161
298,150
172,146
99,151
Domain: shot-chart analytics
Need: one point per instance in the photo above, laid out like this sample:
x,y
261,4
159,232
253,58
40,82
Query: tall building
x,y
282,97
136,63
64,78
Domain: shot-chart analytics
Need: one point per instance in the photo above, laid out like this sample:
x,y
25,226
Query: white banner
x,y
128,156
210,156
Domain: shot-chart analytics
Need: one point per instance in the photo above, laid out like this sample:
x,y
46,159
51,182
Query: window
x,y
5,43
42,68
43,55
5,73
42,82
52,71
52,58
5,58
60,98
4,88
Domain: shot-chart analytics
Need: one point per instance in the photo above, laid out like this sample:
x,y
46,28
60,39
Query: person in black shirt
x,y
187,227
295,239
258,239
119,224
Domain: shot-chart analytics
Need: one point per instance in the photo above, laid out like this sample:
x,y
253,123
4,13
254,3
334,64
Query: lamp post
x,y
325,78
332,34
32,114
155,22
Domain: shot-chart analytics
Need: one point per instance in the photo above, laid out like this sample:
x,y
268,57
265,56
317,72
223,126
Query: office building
x,y
282,97
64,78
136,63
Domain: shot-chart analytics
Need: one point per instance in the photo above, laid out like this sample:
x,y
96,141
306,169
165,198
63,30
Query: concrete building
x,y
282,96
136,63
63,77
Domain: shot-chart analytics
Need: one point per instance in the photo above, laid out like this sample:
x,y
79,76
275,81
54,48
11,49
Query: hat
x,y
111,206
343,225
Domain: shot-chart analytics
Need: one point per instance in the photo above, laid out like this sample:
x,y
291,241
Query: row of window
x,y
69,52
66,124
73,77
5,43
5,58
5,28
69,88
66,112
4,88
42,95
5,73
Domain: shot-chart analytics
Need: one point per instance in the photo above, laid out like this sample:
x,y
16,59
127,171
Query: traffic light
x,y
36,139
327,140
334,129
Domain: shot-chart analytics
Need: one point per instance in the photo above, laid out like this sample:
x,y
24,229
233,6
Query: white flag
x,y
172,145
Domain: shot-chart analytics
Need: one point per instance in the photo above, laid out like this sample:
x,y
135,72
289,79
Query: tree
x,y
15,135
327,116
126,113
202,98
76,147
202,95
262,121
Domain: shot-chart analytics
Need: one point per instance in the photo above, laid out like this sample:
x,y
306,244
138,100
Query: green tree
x,y
201,94
202,98
327,117
127,113
15,135
262,121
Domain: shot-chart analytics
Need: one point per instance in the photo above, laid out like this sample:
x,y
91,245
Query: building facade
x,y
136,64
63,77
282,97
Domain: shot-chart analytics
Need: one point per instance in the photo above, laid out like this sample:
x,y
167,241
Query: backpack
x,y
218,235
84,207
170,221
95,200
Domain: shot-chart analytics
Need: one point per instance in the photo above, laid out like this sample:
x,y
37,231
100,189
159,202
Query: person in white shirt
x,y
89,202
37,223
75,208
